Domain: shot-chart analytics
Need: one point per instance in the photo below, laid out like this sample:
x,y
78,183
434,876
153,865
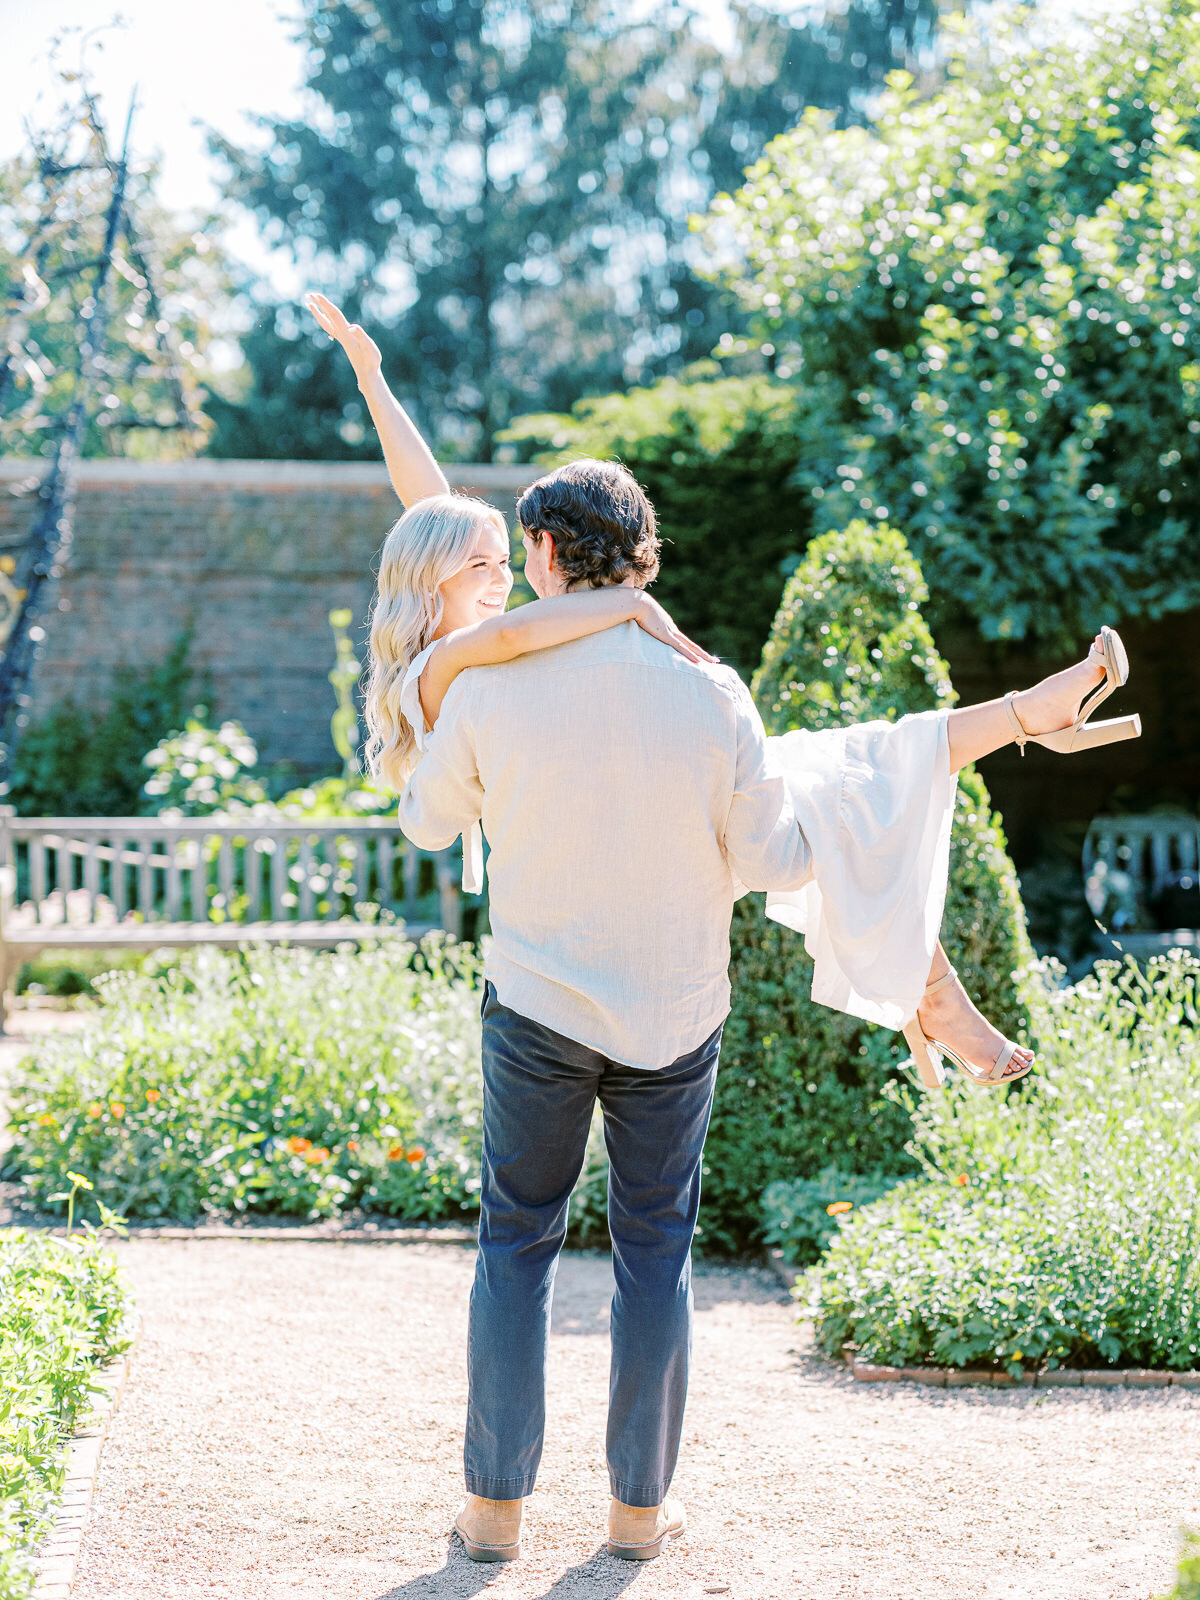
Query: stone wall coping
x,y
266,476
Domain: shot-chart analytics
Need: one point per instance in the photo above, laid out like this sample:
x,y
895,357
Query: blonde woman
x,y
869,919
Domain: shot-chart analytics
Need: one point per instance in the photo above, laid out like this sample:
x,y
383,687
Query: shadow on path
x,y
600,1577
458,1579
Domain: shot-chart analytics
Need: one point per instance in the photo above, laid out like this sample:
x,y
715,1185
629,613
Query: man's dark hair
x,y
601,520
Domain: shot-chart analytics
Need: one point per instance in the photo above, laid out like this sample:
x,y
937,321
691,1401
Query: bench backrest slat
x,y
253,870
174,883
170,869
91,877
279,881
1150,849
37,870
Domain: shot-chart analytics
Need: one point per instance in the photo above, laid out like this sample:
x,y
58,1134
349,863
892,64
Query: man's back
x,y
620,783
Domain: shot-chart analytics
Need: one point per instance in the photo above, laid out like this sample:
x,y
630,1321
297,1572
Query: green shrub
x,y
1187,1579
723,462
200,770
83,763
273,1080
802,1088
803,1215
62,1308
64,973
1057,1227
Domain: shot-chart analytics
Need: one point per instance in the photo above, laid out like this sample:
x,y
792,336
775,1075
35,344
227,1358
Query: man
x,y
627,796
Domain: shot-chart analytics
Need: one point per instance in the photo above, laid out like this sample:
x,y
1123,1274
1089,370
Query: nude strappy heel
x,y
927,1052
1082,734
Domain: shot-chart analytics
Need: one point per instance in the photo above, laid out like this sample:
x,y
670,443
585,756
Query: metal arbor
x,y
28,570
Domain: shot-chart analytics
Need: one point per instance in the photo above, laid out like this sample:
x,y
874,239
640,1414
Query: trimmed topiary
x,y
803,1088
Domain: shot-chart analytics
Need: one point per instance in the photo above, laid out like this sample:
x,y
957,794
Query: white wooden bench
x,y
1151,851
113,882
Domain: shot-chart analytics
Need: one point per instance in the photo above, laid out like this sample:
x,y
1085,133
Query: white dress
x,y
875,802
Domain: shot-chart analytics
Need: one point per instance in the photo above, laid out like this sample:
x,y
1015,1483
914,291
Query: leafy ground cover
x,y
1187,1580
276,1080
62,1313
1052,1226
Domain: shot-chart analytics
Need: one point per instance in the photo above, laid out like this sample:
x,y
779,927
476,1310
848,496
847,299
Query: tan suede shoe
x,y
638,1533
490,1529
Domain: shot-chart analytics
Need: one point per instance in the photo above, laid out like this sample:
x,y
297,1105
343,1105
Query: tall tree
x,y
995,293
502,189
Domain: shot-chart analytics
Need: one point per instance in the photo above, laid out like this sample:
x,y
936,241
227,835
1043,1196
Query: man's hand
x,y
354,340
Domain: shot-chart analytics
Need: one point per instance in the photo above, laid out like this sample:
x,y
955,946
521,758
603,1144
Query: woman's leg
x,y
976,731
951,1016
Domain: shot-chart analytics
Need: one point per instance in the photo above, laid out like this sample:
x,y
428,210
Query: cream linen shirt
x,y
628,798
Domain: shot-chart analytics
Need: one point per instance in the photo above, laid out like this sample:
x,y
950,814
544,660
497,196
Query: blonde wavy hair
x,y
430,543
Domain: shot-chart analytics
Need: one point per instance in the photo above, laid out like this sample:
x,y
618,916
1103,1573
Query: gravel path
x,y
292,1427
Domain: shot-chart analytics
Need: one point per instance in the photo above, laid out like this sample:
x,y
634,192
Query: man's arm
x,y
444,796
763,842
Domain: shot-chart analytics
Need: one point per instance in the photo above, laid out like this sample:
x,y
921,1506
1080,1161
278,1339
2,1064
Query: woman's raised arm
x,y
538,626
414,473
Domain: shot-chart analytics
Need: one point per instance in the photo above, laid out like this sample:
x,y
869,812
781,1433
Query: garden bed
x,y
63,1316
1055,1227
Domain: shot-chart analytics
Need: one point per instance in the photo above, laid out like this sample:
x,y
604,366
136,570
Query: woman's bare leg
x,y
976,731
950,1015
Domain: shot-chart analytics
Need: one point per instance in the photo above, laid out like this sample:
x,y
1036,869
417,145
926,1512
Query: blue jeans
x,y
539,1089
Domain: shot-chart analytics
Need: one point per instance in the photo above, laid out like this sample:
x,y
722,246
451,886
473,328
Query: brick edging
x,y
59,1551
956,1378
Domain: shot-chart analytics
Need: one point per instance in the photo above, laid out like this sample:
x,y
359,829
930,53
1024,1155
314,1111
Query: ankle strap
x,y
1014,720
940,983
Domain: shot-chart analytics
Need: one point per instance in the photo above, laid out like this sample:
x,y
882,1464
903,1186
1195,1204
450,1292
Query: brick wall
x,y
253,555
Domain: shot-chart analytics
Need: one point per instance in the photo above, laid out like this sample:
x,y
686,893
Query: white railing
x,y
119,881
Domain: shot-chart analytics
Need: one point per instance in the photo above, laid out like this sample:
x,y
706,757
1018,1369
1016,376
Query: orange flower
x,y
46,1120
417,1153
299,1146
313,1156
352,1144
962,1180
117,1109
152,1095
397,1153
838,1206
95,1109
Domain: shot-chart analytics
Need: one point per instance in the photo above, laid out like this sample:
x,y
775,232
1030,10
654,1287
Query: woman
x,y
875,800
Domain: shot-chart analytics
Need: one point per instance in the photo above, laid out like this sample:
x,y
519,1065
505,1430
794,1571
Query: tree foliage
x,y
997,289
501,189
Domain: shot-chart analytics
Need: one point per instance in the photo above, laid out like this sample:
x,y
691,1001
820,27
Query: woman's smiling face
x,y
480,589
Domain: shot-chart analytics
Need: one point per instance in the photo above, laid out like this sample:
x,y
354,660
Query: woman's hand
x,y
651,617
355,341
